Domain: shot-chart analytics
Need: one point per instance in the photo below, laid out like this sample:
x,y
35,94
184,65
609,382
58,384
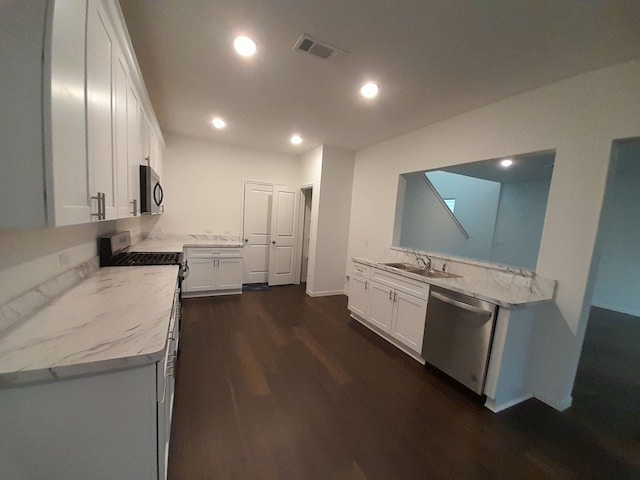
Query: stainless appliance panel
x,y
457,336
151,193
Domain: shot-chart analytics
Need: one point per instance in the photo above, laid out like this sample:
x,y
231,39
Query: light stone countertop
x,y
483,287
118,317
177,243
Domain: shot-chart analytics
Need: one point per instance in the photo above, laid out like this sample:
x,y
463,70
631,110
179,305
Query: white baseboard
x,y
491,404
615,308
327,293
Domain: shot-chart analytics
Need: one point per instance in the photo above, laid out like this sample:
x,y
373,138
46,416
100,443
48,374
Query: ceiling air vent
x,y
316,48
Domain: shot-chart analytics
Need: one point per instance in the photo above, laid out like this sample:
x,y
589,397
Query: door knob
x,y
273,241
246,240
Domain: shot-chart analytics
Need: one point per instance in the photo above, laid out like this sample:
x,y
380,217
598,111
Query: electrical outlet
x,y
65,259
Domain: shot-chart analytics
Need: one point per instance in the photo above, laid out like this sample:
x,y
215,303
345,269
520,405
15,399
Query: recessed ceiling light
x,y
296,139
218,123
507,162
244,46
369,90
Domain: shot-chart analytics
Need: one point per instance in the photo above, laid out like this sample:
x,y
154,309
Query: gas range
x,y
114,252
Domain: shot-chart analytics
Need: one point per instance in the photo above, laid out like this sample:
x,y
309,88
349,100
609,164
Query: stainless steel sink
x,y
403,266
435,274
424,272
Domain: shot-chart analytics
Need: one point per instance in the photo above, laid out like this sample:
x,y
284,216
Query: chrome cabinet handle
x,y
395,297
390,295
366,284
134,207
102,204
99,214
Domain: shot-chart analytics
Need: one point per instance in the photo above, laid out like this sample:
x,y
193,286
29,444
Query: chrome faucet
x,y
426,264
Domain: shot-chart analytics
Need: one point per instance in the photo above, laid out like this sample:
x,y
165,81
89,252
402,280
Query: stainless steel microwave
x,y
151,193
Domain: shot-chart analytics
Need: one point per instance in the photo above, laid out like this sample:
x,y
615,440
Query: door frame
x,y
245,181
300,226
301,206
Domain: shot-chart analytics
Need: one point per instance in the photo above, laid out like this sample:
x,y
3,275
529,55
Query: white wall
x,y
28,258
203,183
617,287
519,224
579,118
334,211
427,224
311,175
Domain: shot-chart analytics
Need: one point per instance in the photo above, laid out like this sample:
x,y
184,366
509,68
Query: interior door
x,y
257,232
284,241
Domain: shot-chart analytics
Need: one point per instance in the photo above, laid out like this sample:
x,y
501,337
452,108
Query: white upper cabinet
x,y
42,121
67,156
100,141
121,133
70,127
134,155
151,149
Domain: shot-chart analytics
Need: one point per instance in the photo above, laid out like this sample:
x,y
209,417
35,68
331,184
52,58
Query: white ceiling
x,y
433,60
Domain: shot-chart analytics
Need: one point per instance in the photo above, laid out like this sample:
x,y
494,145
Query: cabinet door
x,y
145,148
381,310
99,108
359,296
120,130
134,156
228,273
201,275
154,153
408,320
68,186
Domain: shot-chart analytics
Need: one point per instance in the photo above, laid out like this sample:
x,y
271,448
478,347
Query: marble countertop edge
x,y
24,378
506,296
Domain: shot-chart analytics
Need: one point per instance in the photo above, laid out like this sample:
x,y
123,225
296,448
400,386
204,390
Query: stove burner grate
x,y
131,259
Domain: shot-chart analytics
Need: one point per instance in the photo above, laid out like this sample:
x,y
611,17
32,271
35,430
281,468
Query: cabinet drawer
x,y
407,285
362,270
209,252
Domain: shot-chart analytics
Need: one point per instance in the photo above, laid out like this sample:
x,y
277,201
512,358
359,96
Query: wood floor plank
x,y
253,375
277,385
335,370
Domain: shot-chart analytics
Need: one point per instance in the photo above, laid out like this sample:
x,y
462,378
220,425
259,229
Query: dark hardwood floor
x,y
278,385
606,394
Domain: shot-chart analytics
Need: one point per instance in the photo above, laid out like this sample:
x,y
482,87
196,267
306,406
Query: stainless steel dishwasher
x,y
457,336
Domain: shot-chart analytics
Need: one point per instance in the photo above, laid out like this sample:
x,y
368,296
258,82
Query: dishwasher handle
x,y
459,304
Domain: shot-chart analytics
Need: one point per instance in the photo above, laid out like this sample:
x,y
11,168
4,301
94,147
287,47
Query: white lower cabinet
x,y
213,271
381,311
399,314
113,425
360,290
407,324
395,306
